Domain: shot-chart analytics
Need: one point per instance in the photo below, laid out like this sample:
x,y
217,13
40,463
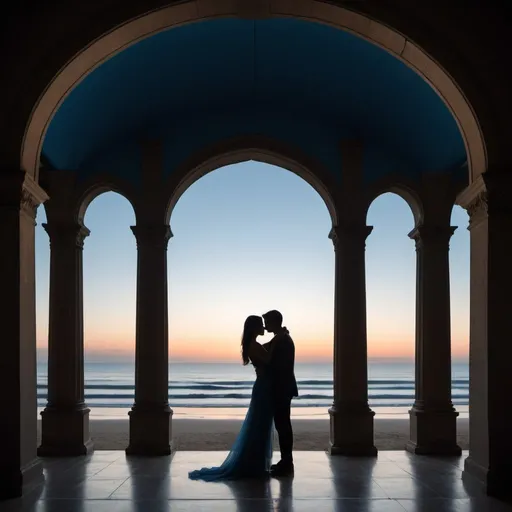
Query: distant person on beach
x,y
275,386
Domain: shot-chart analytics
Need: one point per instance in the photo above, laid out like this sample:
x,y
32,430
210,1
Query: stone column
x,y
351,417
433,427
65,420
19,466
490,400
150,417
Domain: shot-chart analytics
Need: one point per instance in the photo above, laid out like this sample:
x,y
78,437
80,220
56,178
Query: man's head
x,y
273,321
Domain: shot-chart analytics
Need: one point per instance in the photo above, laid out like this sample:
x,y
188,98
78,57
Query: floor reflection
x,y
392,482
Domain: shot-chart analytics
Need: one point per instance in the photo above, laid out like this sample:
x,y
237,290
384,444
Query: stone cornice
x,y
19,190
468,196
489,194
34,191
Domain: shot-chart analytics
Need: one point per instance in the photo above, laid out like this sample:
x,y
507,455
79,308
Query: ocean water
x,y
223,390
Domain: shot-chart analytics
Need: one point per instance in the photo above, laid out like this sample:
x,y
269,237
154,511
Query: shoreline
x,y
238,413
213,434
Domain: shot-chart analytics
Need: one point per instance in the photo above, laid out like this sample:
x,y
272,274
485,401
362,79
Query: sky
x,y
248,238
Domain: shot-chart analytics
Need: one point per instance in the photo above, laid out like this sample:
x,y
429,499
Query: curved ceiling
x,y
306,83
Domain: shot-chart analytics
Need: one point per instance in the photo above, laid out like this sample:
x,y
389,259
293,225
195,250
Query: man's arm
x,y
288,356
283,359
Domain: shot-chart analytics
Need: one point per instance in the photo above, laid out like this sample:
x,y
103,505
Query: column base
x,y
352,432
150,432
433,432
14,482
496,482
65,432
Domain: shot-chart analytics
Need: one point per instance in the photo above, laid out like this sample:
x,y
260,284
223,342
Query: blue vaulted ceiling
x,y
307,84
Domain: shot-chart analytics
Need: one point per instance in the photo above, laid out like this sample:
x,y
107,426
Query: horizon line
x,y
126,360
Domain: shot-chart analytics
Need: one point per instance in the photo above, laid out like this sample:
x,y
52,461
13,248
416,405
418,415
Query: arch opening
x,y
248,237
459,306
109,284
391,314
42,264
210,164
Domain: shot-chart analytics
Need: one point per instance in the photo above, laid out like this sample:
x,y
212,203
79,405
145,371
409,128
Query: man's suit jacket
x,y
281,366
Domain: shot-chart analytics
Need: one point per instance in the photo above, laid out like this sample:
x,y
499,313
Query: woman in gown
x,y
251,453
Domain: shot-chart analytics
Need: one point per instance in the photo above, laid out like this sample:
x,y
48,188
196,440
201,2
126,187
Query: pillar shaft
x,y
490,450
65,420
433,427
150,417
351,418
19,466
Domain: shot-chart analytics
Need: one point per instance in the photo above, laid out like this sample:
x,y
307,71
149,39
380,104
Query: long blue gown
x,y
251,453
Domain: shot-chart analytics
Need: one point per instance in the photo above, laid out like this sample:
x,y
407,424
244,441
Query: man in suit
x,y
284,388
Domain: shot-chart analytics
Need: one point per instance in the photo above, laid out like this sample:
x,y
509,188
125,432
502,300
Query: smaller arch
x,y
89,190
401,187
259,149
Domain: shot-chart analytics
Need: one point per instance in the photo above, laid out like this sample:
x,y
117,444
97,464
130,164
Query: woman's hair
x,y
252,327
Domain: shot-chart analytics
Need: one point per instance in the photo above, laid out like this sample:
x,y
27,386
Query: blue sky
x,y
248,238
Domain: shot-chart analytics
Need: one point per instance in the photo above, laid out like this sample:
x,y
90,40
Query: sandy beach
x,y
219,434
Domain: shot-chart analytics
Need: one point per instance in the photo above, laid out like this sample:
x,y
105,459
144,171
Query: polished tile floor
x,y
108,481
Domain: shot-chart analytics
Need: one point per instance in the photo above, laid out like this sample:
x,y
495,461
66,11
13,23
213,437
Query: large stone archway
x,y
467,74
189,12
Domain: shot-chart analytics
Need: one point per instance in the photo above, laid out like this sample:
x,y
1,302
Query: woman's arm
x,y
259,355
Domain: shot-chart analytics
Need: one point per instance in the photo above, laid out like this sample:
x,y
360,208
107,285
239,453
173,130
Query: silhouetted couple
x,y
272,393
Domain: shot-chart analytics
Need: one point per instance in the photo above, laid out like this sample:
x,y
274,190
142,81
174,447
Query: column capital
x,y
432,234
66,234
19,190
489,194
152,236
357,233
